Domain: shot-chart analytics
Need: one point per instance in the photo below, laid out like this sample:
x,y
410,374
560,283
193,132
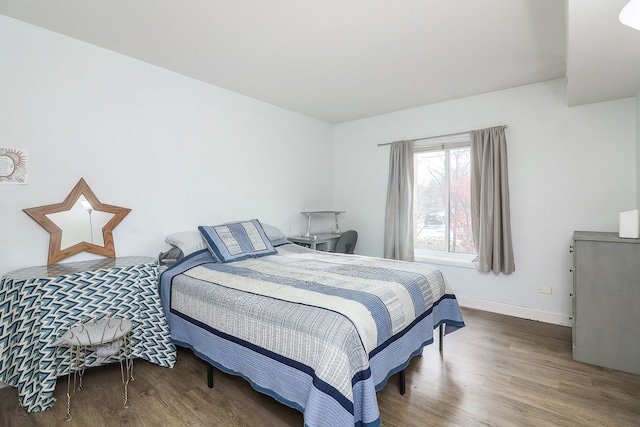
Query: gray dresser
x,y
606,303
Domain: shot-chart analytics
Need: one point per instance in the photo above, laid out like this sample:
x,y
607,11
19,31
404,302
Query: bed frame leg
x,y
209,375
403,379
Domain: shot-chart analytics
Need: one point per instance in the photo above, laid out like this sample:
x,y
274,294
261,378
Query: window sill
x,y
442,258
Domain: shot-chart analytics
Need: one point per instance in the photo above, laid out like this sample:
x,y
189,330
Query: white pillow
x,y
188,241
272,232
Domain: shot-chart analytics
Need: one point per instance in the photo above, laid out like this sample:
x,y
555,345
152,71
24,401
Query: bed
x,y
319,332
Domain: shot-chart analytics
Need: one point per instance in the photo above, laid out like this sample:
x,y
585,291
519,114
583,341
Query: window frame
x,y
445,257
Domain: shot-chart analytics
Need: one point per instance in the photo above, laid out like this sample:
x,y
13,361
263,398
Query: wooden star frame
x,y
39,215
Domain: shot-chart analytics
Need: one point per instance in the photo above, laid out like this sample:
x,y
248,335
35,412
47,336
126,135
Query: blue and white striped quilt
x,y
320,332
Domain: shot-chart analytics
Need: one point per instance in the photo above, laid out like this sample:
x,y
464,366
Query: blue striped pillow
x,y
237,240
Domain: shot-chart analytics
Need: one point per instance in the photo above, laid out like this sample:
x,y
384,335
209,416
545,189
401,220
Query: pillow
x,y
237,240
191,241
280,242
274,234
188,241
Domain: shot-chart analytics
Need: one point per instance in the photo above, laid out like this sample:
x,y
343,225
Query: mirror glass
x,y
81,223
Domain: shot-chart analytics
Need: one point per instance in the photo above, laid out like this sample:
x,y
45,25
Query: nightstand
x,y
38,302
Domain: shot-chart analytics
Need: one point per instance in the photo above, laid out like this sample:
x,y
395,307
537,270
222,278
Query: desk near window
x,y
320,242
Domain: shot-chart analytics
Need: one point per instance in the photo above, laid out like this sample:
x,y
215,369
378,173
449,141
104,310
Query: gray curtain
x,y
490,217
398,224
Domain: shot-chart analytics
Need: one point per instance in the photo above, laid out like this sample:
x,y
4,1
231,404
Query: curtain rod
x,y
439,136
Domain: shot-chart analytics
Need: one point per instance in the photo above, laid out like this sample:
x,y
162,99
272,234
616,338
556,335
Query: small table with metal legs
x,y
106,337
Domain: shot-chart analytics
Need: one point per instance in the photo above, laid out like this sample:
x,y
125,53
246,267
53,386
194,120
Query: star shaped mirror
x,y
80,223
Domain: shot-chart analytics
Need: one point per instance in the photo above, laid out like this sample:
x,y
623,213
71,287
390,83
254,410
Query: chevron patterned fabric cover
x,y
37,303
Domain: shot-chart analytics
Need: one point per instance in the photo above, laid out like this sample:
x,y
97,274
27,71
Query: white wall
x,y
177,151
569,169
637,148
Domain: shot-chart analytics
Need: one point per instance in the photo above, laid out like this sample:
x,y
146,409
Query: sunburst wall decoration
x,y
13,166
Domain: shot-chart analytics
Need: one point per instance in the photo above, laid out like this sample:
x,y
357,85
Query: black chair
x,y
346,244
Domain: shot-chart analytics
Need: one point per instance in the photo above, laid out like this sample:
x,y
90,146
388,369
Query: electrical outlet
x,y
544,290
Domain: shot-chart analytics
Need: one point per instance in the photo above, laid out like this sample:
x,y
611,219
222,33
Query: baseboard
x,y
515,311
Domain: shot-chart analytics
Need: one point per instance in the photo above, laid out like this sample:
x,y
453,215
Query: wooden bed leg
x,y
209,375
441,336
402,382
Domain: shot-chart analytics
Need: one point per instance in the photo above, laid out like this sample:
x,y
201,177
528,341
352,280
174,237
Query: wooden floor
x,y
497,371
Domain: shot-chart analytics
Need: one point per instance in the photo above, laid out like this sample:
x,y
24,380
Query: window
x,y
442,199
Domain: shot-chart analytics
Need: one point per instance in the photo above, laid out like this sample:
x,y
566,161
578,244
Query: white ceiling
x,y
340,60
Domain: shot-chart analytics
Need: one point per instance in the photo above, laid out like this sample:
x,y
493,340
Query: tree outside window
x,y
442,201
